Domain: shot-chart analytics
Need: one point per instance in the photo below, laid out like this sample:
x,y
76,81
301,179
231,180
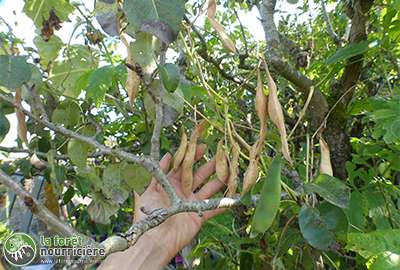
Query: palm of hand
x,y
181,228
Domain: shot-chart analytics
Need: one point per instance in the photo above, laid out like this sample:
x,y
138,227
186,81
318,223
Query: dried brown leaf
x,y
221,166
276,113
180,153
22,130
325,166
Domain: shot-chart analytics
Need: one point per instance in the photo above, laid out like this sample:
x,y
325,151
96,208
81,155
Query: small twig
x,y
158,93
331,32
160,215
302,112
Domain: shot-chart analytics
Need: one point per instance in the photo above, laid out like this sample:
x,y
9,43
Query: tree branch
x,y
331,32
318,105
158,93
158,216
41,212
147,162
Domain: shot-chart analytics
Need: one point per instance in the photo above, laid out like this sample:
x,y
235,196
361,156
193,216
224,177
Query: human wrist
x,y
148,253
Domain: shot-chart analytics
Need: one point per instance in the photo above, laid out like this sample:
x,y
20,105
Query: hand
x,y
158,246
181,228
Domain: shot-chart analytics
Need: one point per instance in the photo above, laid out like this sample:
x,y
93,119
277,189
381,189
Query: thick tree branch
x,y
158,216
336,133
318,105
147,162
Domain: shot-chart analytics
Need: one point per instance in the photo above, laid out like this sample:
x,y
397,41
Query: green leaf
x,y
158,17
39,10
68,195
106,13
111,184
14,71
385,261
65,74
331,189
101,209
48,50
350,51
86,179
67,113
314,229
6,108
135,176
356,212
78,152
333,216
370,244
4,126
143,51
270,199
170,76
100,81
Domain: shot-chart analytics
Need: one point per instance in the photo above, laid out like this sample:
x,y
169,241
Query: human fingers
x,y
209,189
212,213
165,162
203,173
200,150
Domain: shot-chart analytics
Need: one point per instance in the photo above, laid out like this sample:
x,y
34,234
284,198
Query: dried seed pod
x,y
133,79
261,104
233,171
252,172
51,201
221,166
188,161
225,39
276,113
180,153
325,166
22,129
